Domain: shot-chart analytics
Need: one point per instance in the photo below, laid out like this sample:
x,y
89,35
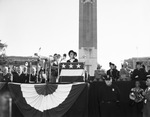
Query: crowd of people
x,y
109,94
34,74
125,73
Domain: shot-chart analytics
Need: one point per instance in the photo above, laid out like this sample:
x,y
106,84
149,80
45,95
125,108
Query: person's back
x,y
124,74
1,77
97,75
16,77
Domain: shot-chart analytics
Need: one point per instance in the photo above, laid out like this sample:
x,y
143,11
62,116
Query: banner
x,y
45,100
72,69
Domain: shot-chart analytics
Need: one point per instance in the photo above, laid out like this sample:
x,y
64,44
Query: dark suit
x,y
16,77
146,109
19,78
33,78
69,61
6,78
140,73
113,73
24,78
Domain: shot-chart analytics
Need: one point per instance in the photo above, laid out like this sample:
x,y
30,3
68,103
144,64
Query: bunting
x,y
45,100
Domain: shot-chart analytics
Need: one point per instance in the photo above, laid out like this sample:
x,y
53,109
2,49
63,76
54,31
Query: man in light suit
x,y
146,109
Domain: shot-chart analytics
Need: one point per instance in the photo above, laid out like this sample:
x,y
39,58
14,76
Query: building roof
x,y
3,45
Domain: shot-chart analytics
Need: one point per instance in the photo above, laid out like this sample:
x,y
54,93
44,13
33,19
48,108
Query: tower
x,y
88,34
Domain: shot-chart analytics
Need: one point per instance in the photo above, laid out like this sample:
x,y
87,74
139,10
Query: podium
x,y
72,72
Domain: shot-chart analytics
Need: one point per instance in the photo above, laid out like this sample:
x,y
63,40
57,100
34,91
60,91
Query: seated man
x,y
99,74
6,75
25,75
33,75
124,73
18,77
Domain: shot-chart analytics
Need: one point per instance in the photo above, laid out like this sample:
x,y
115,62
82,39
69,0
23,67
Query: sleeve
x,y
133,75
118,93
147,96
108,72
27,78
118,74
76,60
99,93
94,73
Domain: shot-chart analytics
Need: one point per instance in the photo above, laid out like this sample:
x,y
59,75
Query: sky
x,y
123,28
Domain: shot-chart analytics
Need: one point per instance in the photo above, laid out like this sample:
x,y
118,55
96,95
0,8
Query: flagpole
x,y
37,71
30,72
58,72
10,107
84,57
49,69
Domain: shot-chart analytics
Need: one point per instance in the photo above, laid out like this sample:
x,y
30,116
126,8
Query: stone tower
x,y
88,34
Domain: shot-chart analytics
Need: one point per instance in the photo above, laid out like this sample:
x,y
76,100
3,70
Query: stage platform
x,y
86,104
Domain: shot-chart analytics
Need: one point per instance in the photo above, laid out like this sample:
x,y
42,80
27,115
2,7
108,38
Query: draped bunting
x,y
45,100
2,85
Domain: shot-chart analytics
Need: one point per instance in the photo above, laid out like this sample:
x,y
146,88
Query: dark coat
x,y
6,78
114,74
140,73
75,60
16,77
19,78
146,109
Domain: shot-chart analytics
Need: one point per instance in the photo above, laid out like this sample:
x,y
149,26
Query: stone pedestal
x,y
88,34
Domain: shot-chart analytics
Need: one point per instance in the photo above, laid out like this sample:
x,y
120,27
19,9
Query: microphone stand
x,y
58,71
30,71
49,75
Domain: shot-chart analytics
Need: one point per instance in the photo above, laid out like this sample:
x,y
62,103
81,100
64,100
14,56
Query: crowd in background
x,y
124,74
36,74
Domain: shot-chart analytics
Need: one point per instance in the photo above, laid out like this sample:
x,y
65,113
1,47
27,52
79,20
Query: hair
x,y
71,51
138,63
55,54
110,63
64,55
75,53
98,66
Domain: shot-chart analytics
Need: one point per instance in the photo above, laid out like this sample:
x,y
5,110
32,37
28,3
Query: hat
x,y
71,51
110,63
138,63
98,66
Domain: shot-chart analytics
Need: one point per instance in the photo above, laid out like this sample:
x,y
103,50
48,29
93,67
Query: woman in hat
x,y
72,57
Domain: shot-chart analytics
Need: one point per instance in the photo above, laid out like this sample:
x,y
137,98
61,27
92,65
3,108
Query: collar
x,y
71,60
